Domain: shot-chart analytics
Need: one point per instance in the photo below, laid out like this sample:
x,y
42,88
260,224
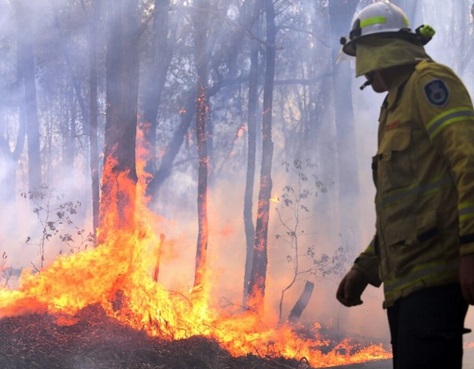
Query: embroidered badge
x,y
436,92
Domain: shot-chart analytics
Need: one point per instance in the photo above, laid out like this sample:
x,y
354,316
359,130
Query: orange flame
x,y
275,199
118,275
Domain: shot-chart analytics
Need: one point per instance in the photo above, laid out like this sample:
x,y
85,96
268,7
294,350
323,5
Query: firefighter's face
x,y
379,79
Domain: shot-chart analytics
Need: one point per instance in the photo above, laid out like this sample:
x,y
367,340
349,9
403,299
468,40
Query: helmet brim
x,y
349,47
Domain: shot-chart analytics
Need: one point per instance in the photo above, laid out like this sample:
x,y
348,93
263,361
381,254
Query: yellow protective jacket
x,y
424,176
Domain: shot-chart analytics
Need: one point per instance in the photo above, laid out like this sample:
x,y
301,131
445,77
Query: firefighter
x,y
423,248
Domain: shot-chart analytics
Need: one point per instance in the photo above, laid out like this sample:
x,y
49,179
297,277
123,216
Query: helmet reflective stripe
x,y
382,18
359,24
373,20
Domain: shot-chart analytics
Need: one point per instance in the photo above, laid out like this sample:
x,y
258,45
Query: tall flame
x,y
118,275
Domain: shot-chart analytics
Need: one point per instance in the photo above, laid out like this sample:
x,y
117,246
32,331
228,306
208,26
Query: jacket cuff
x,y
368,271
466,248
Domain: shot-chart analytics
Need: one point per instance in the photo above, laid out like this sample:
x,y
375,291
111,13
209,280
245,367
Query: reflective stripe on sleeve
x,y
432,271
418,189
465,211
441,121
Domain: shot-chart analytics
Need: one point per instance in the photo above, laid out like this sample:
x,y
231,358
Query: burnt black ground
x,y
99,342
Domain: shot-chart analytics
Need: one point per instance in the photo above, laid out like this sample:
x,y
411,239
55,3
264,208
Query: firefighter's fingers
x,y
466,277
349,291
341,294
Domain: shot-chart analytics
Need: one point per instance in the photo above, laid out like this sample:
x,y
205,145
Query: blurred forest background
x,y
258,142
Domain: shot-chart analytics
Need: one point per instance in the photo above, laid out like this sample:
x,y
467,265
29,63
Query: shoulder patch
x,y
436,92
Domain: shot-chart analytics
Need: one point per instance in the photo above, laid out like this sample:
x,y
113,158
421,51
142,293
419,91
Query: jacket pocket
x,y
394,166
413,240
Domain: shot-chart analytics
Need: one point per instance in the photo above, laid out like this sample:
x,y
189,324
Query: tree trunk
x,y
172,148
93,116
121,112
257,281
75,94
341,13
28,110
9,163
174,145
228,52
69,132
161,54
64,48
251,153
9,160
201,25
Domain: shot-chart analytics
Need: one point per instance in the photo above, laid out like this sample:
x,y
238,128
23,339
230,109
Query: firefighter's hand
x,y
466,277
351,288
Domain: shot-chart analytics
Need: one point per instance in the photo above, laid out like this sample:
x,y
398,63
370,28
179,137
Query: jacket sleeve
x,y
368,264
448,116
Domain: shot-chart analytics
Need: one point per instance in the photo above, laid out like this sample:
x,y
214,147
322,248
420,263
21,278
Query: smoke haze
x,y
60,47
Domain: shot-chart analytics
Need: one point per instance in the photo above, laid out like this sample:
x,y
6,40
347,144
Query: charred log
x,y
295,313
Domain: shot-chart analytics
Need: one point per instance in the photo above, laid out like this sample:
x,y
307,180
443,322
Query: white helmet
x,y
385,19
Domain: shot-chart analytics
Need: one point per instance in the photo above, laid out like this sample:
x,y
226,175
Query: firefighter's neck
x,y
383,79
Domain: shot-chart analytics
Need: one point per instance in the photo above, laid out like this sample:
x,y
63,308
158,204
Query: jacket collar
x,y
397,86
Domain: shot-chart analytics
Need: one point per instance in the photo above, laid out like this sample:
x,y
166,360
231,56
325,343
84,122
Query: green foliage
x,y
56,217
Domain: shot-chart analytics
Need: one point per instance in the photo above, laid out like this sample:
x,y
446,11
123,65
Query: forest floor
x,y
98,342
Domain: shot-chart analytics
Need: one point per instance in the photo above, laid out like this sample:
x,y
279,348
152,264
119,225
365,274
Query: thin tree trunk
x,y
201,134
28,110
64,47
257,282
9,161
341,13
251,154
172,148
228,52
93,116
69,131
174,145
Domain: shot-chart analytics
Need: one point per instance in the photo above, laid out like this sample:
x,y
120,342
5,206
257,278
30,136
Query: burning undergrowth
x,y
92,340
106,308
96,341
